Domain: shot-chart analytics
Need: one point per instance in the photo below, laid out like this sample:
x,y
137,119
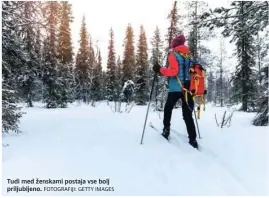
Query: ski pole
x,y
197,124
153,82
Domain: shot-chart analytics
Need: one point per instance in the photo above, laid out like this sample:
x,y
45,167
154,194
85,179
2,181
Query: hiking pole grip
x,y
153,82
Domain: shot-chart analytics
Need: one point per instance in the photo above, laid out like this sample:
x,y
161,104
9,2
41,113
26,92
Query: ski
x,y
157,130
182,137
185,139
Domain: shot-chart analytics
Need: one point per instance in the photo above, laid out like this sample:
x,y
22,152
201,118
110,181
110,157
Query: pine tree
x,y
97,80
111,70
174,19
39,85
119,77
157,56
196,33
261,47
244,79
211,87
261,118
92,63
237,22
52,83
220,80
65,50
142,65
82,67
103,83
129,56
65,55
30,69
13,58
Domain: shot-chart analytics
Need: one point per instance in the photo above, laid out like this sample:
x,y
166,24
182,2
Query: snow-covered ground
x,y
82,142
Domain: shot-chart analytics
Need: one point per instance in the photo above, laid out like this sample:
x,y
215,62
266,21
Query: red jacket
x,y
173,66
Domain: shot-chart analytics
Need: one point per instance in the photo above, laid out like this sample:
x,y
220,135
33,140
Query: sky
x,y
101,15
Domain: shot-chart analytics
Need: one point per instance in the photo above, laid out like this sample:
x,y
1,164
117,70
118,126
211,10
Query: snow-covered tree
x,y
141,74
82,72
29,32
96,87
118,78
13,58
211,86
197,34
157,56
261,118
174,29
262,48
111,70
128,63
50,78
220,81
238,22
65,55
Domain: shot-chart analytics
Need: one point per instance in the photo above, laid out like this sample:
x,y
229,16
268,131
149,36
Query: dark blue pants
x,y
187,109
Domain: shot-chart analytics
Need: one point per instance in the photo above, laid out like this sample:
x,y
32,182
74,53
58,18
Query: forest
x,y
39,63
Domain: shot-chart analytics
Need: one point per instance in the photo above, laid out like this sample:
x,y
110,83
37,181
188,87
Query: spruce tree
x,y
92,62
29,34
96,87
65,55
261,48
142,65
237,22
82,67
210,87
39,84
50,78
13,58
197,34
128,67
174,29
261,118
118,77
111,70
220,81
65,50
157,56
244,79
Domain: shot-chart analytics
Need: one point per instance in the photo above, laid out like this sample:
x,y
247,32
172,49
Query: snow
x,y
83,142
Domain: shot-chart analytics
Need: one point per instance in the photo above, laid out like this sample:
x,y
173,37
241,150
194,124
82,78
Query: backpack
x,y
195,85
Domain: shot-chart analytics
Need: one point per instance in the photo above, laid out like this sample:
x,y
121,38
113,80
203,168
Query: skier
x,y
128,90
177,64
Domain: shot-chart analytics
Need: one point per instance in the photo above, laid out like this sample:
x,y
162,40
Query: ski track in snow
x,y
91,143
209,163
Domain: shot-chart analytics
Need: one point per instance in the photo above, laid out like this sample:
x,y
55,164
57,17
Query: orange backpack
x,y
197,85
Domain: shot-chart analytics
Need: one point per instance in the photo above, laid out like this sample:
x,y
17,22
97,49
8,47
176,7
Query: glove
x,y
156,68
205,92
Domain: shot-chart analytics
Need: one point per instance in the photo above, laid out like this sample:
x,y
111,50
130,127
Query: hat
x,y
179,40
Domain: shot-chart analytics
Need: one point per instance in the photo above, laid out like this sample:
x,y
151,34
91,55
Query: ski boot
x,y
166,133
193,143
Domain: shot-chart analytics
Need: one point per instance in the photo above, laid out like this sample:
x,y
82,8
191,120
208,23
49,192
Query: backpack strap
x,y
185,91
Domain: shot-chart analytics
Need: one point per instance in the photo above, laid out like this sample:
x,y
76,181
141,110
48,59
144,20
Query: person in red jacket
x,y
178,69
